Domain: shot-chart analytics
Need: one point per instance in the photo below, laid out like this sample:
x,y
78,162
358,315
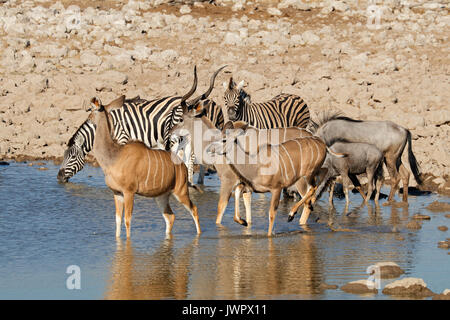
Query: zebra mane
x,y
76,134
245,97
327,116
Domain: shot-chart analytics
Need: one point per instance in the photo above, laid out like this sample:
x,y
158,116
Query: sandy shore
x,y
56,56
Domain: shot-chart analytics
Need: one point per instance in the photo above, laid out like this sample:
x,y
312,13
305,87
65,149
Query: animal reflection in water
x,y
227,268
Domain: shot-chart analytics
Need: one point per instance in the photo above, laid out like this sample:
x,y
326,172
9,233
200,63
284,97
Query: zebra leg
x,y
330,198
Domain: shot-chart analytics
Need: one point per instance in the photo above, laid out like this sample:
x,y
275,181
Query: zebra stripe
x,y
283,110
138,119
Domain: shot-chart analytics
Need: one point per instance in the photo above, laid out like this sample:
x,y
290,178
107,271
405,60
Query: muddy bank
x,y
58,55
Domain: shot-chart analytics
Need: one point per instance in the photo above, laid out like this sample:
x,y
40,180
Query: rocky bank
x,y
383,59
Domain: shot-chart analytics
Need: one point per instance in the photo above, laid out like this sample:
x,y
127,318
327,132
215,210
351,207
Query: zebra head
x,y
79,145
234,98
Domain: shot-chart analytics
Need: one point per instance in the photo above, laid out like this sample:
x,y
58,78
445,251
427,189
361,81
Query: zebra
x,y
283,110
148,121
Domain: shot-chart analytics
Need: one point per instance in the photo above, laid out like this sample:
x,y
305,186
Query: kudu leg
x,y
248,206
226,190
274,202
166,211
183,198
128,206
118,201
237,195
307,197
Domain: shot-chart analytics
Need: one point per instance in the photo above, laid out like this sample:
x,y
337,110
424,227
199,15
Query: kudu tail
x,y
412,160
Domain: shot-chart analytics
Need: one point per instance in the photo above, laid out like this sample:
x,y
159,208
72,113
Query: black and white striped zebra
x,y
148,121
283,110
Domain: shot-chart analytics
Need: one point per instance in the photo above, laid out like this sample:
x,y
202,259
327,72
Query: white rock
x,y
297,40
185,9
232,39
274,12
169,55
90,59
406,282
310,37
296,4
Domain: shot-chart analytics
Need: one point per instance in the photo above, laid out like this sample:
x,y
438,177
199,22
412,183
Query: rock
x,y
359,287
232,39
444,244
296,4
414,225
326,286
419,216
437,206
310,37
389,270
274,12
411,287
185,9
445,295
442,228
89,58
4,163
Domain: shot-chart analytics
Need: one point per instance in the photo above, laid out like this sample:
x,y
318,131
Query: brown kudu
x,y
292,162
135,169
228,178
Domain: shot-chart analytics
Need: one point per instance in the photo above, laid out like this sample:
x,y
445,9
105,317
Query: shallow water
x,y
46,227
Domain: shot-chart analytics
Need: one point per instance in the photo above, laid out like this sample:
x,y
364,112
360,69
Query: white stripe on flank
x,y
162,169
149,167
290,159
156,171
301,157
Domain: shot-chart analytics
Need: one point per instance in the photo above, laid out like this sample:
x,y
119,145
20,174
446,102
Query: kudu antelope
x,y
273,167
390,138
134,168
228,179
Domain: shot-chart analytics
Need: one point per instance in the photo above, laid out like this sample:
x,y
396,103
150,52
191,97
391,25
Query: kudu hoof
x,y
290,218
242,222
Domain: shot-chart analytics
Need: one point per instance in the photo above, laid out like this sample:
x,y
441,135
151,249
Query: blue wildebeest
x,y
388,137
361,158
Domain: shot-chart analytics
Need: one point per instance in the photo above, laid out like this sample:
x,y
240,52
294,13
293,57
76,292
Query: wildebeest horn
x,y
208,92
191,92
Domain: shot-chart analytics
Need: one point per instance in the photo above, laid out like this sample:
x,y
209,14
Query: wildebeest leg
x,y
166,211
226,188
404,174
378,184
237,195
332,185
118,201
274,202
393,174
357,185
370,174
201,175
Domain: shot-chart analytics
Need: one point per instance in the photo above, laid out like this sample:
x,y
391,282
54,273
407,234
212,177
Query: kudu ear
x,y
241,125
115,104
95,103
228,125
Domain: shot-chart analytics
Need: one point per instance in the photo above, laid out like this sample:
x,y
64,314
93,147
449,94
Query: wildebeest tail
x,y
412,160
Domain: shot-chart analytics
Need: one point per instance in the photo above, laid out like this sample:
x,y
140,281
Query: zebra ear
x,y
231,84
240,85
